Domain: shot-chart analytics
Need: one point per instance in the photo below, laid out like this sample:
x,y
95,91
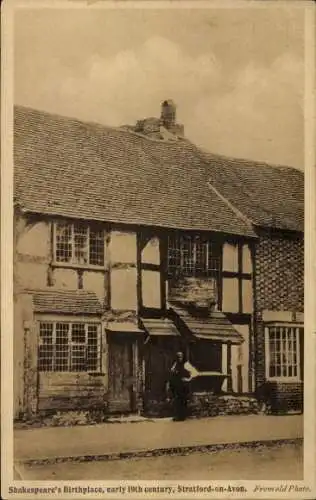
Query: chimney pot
x,y
168,113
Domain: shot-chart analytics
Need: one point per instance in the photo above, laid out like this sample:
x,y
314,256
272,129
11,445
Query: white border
x,y
7,240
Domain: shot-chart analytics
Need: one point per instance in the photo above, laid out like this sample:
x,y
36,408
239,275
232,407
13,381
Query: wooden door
x,y
121,374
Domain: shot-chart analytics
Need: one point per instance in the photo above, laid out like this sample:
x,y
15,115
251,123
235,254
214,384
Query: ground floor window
x,y
282,351
206,356
69,346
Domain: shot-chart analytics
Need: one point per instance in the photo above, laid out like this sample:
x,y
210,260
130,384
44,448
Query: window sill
x,y
91,374
288,380
87,267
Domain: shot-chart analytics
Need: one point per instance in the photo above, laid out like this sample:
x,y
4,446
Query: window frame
x,y
193,241
297,327
70,343
71,263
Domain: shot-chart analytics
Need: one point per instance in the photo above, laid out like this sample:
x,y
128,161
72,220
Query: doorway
x,y
122,376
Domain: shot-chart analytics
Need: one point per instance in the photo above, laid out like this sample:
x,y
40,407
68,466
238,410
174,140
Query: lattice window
x,y
79,244
81,238
69,347
45,354
63,250
283,352
174,253
192,255
187,256
96,247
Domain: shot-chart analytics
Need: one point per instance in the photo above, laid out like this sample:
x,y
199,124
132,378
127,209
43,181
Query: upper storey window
x,y
79,244
193,256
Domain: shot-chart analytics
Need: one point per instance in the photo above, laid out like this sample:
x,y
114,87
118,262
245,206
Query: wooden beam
x,y
229,367
163,250
139,239
31,375
239,318
240,294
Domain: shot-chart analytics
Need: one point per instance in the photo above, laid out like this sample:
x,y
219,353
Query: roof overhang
x,y
160,327
122,327
76,302
214,327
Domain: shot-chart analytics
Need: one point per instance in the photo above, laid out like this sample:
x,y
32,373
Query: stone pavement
x,y
119,440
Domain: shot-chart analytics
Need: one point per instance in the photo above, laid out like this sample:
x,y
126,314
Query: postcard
x,y
158,249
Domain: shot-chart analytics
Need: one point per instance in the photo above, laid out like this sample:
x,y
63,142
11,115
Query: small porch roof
x,y
216,326
66,302
160,327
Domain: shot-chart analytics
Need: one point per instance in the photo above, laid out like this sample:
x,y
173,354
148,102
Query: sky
x,y
236,75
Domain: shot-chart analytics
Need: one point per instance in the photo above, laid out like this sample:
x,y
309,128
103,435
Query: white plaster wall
x,y
94,282
66,278
247,296
35,240
31,274
151,292
230,257
124,289
244,355
151,252
230,295
122,247
246,259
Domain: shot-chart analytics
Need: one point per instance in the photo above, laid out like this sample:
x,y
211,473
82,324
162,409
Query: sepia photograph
x,y
158,172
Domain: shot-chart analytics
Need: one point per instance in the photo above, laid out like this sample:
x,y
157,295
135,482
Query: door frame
x,y
129,340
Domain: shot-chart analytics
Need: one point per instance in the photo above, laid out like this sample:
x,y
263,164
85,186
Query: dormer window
x,y
78,243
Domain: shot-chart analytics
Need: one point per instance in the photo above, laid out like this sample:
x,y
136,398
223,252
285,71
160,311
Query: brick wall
x,y
279,282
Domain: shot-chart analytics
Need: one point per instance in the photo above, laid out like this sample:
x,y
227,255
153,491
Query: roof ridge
x,y
118,128
248,162
121,128
121,176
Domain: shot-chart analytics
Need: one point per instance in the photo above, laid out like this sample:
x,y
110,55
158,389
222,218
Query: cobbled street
x,y
277,462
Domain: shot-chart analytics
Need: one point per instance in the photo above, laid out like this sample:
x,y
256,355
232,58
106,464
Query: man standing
x,y
181,374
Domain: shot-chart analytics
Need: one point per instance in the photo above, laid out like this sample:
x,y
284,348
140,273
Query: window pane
x,y
174,254
46,333
201,254
63,242
283,352
62,348
96,248
61,360
81,243
45,358
78,333
82,354
187,251
78,358
214,252
92,357
62,330
93,350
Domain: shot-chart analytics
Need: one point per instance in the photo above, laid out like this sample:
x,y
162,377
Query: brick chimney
x,y
168,118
